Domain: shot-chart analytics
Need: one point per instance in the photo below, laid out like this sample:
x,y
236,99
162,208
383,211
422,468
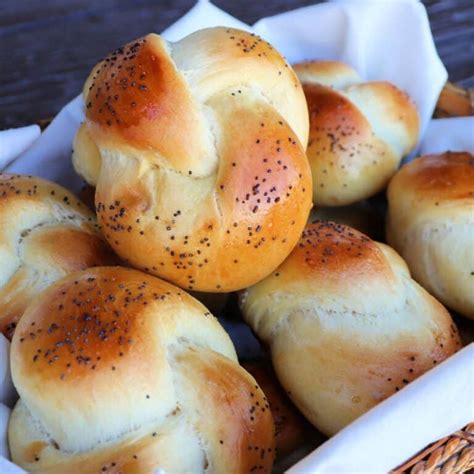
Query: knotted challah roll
x,y
291,428
359,132
431,223
118,371
197,152
45,233
345,324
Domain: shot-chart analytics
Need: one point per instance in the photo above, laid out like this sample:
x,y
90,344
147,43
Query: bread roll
x,y
45,233
135,376
431,223
346,325
197,152
359,132
291,428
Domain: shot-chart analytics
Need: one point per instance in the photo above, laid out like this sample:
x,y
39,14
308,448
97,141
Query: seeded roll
x,y
345,324
197,152
45,233
359,132
291,428
431,223
135,376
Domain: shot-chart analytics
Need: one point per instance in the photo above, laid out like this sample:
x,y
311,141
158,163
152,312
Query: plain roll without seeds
x,y
431,223
45,233
345,324
119,371
197,152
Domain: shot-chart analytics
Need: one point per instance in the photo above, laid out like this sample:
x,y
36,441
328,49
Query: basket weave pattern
x,y
453,454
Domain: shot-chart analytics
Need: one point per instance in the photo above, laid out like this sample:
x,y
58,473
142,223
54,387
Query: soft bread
x,y
345,324
197,152
45,233
119,371
359,132
291,428
431,223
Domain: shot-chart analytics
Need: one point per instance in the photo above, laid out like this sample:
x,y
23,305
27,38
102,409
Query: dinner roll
x,y
431,223
345,324
197,152
359,131
135,376
45,233
291,428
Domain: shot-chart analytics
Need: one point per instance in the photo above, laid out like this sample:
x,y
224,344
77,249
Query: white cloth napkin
x,y
384,40
453,134
203,15
430,408
50,155
4,416
15,141
7,398
7,391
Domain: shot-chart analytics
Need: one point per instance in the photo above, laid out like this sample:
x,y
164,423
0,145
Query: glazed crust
x,y
197,152
359,132
345,324
135,375
45,233
291,428
431,223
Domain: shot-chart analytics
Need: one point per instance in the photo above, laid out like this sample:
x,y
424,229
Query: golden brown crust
x,y
359,132
179,401
431,223
291,429
198,175
347,162
445,177
136,97
45,233
329,73
244,426
342,297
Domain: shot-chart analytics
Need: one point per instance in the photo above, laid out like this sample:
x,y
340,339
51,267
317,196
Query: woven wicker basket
x,y
453,454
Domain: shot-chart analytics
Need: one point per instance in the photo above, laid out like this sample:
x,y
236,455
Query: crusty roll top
x,y
331,264
197,149
431,223
358,131
434,181
45,233
345,324
122,359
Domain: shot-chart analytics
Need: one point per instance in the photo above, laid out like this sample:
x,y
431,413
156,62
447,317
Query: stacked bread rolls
x,y
359,132
431,223
136,376
197,152
45,233
345,324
